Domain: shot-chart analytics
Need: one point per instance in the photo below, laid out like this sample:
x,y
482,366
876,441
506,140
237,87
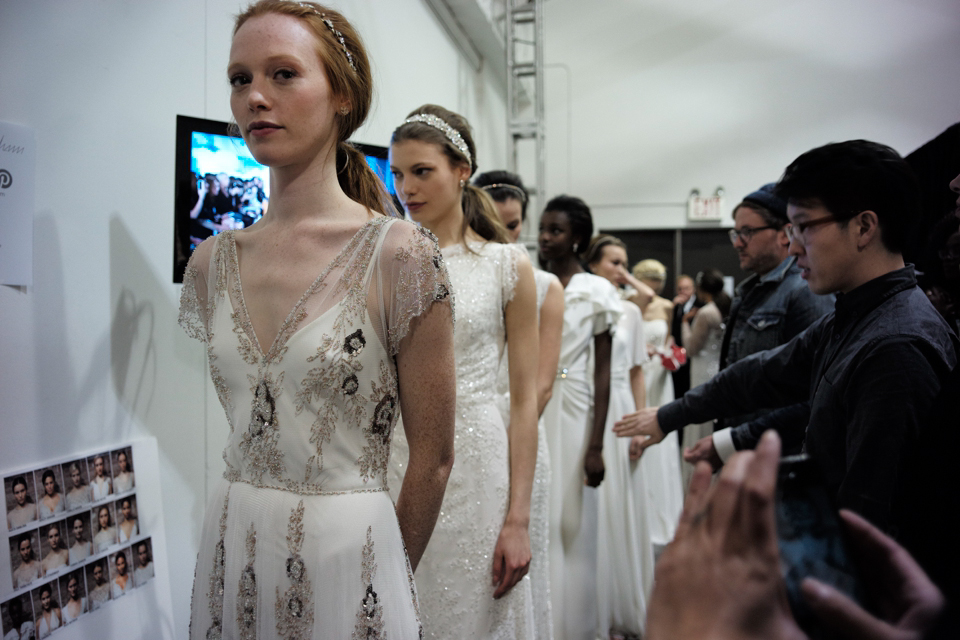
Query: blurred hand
x,y
906,598
511,557
635,449
720,577
688,316
703,449
593,467
640,423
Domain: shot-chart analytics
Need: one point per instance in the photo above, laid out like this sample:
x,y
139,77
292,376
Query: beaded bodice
x,y
314,414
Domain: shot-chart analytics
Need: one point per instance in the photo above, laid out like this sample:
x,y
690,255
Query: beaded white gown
x,y
657,478
301,539
455,573
591,307
539,574
625,554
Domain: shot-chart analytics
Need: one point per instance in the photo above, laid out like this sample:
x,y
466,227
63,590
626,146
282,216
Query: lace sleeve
x,y
512,255
194,302
414,278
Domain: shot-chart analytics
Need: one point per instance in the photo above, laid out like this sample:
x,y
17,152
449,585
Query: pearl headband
x,y
452,134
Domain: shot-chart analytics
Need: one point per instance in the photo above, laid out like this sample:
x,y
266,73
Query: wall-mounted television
x,y
219,185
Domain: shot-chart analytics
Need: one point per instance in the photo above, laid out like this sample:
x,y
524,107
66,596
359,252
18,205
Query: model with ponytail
x,y
484,530
322,323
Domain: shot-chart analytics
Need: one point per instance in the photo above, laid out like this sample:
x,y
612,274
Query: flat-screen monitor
x,y
219,185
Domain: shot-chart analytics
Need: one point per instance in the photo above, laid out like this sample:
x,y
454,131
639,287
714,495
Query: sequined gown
x,y
591,307
455,572
301,539
539,574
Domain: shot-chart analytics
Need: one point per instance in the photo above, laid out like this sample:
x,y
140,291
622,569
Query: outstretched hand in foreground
x,y
903,594
720,577
642,423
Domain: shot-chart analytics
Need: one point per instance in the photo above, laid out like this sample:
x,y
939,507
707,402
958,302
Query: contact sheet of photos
x,y
75,542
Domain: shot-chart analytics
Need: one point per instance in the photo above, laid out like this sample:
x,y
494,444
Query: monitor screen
x,y
219,185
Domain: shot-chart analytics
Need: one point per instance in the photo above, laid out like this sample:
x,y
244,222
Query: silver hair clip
x,y
336,32
439,123
509,187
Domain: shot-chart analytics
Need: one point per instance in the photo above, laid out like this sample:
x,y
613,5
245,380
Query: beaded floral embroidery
x,y
215,594
294,609
370,615
247,593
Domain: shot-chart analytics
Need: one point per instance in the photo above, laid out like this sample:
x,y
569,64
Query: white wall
x,y
91,353
667,96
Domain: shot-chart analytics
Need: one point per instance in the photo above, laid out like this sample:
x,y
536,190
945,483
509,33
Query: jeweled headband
x,y
438,123
336,33
510,187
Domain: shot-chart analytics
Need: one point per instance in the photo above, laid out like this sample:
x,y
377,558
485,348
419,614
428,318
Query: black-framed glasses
x,y
746,233
795,231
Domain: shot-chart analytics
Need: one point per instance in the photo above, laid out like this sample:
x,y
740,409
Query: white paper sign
x,y
17,169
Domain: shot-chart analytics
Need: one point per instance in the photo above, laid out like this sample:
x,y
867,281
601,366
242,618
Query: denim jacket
x,y
768,311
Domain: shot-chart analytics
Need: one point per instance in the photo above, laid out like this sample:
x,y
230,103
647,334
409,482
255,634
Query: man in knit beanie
x,y
770,307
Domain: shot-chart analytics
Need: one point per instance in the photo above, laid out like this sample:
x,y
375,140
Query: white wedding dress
x,y
625,557
539,574
301,539
591,307
657,478
702,339
454,578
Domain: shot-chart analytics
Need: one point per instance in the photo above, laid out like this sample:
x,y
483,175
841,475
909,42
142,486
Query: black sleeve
x,y
770,379
790,423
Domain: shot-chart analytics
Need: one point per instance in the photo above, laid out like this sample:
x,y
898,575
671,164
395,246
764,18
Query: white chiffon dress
x,y
702,339
301,539
539,573
657,479
591,307
454,577
625,553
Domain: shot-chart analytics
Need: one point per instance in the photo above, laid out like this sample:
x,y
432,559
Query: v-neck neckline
x,y
288,326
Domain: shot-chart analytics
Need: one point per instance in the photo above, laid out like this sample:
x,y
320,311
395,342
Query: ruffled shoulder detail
x,y
602,296
543,279
415,278
511,257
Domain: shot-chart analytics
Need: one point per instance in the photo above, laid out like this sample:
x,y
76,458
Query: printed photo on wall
x,y
53,548
101,484
23,558
75,596
105,531
98,583
21,500
47,615
144,554
121,580
81,536
17,617
122,460
51,501
127,527
79,494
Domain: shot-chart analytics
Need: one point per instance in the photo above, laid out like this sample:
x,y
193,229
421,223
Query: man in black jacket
x,y
872,370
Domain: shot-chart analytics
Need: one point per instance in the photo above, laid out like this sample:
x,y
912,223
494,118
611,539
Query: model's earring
x,y
344,110
462,182
575,247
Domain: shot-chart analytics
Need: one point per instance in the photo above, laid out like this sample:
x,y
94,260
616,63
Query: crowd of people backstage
x,y
221,201
537,474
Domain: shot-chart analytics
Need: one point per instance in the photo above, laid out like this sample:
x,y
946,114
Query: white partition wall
x,y
91,354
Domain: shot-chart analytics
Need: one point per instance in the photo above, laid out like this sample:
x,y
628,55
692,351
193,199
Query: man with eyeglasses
x,y
872,369
770,308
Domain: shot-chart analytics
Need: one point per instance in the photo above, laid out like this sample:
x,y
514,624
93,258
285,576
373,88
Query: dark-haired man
x,y
770,308
873,368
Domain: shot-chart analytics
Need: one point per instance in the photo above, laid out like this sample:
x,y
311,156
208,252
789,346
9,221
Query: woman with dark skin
x,y
592,307
129,527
